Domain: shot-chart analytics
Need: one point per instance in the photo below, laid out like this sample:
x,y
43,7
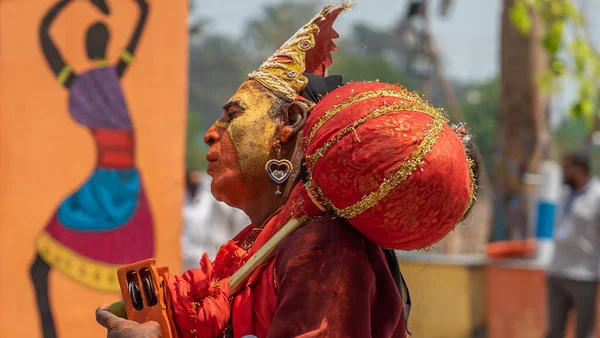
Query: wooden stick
x,y
236,282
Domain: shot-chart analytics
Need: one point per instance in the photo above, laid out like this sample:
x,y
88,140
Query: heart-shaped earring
x,y
279,170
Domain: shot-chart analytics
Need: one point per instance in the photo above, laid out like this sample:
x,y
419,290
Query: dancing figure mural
x,y
107,221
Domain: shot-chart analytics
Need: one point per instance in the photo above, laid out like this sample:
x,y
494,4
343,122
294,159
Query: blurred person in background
x,y
574,272
207,223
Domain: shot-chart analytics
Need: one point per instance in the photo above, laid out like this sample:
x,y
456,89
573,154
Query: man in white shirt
x,y
207,223
574,272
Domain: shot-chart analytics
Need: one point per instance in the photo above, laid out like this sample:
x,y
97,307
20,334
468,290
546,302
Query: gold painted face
x,y
250,128
241,143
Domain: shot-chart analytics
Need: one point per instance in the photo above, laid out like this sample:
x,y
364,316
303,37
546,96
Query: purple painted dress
x,y
107,222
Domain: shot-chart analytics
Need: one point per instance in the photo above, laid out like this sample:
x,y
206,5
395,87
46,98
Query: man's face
x,y
240,144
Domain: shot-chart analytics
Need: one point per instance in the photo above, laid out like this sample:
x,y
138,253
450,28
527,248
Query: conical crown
x,y
282,73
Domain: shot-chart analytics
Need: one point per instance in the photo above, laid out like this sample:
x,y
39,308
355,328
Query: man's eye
x,y
232,115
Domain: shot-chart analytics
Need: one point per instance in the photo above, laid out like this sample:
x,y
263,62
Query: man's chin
x,y
214,189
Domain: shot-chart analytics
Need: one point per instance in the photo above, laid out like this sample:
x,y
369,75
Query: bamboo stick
x,y
236,282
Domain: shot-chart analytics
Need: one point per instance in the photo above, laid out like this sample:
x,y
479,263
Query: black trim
x,y
394,266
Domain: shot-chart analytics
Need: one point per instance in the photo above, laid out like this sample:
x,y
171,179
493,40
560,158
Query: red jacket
x,y
326,280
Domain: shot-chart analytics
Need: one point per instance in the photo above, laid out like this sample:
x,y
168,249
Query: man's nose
x,y
212,136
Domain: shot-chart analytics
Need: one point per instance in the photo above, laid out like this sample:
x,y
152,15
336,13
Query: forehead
x,y
251,94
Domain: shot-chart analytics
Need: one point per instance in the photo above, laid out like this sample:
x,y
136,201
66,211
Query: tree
x,y
217,67
361,67
479,103
277,23
195,147
575,58
197,23
523,138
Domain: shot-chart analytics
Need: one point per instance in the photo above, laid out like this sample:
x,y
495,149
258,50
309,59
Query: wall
x,y
448,298
518,304
45,155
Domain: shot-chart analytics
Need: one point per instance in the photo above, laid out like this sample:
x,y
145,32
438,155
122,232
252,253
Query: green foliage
x,y
570,134
480,103
520,17
218,65
195,147
556,15
356,67
278,22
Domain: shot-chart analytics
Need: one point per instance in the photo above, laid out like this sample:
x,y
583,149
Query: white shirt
x,y
577,236
207,224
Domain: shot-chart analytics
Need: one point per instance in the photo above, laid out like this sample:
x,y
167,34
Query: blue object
x,y
545,219
105,202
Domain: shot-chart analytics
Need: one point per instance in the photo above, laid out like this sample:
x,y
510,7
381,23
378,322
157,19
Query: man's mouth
x,y
211,158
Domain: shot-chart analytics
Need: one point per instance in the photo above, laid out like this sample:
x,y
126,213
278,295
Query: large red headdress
x,y
386,161
307,51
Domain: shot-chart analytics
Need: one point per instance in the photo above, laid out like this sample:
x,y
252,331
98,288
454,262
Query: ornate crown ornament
x,y
282,73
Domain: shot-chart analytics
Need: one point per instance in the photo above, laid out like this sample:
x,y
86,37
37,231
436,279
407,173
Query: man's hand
x,y
122,328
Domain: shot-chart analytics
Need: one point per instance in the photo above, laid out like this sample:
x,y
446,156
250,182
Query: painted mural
x,y
107,222
108,153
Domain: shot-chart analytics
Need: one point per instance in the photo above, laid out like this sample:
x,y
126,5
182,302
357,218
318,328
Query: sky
x,y
468,37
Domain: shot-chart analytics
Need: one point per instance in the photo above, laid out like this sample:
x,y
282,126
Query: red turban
x,y
388,162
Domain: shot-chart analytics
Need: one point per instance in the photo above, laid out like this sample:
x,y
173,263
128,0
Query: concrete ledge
x,y
468,260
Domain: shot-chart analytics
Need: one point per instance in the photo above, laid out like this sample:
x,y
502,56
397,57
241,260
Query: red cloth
x,y
326,280
421,209
319,57
198,300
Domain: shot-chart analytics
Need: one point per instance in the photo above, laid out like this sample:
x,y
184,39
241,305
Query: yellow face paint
x,y
222,124
250,128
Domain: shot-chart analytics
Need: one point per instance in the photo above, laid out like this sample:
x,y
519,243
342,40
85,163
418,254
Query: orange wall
x,y
517,303
45,155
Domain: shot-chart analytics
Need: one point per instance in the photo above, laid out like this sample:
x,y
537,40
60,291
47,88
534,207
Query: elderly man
x,y
326,279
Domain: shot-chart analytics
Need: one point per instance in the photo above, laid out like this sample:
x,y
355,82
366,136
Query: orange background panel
x,y
45,155
518,304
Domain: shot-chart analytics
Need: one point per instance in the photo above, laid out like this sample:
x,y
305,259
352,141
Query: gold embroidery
x,y
282,73
275,277
310,190
399,106
250,238
390,92
407,168
473,189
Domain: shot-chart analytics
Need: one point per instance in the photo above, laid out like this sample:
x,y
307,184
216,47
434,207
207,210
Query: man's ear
x,y
294,119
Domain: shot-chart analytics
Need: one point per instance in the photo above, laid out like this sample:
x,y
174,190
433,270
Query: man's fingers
x,y
105,318
154,328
